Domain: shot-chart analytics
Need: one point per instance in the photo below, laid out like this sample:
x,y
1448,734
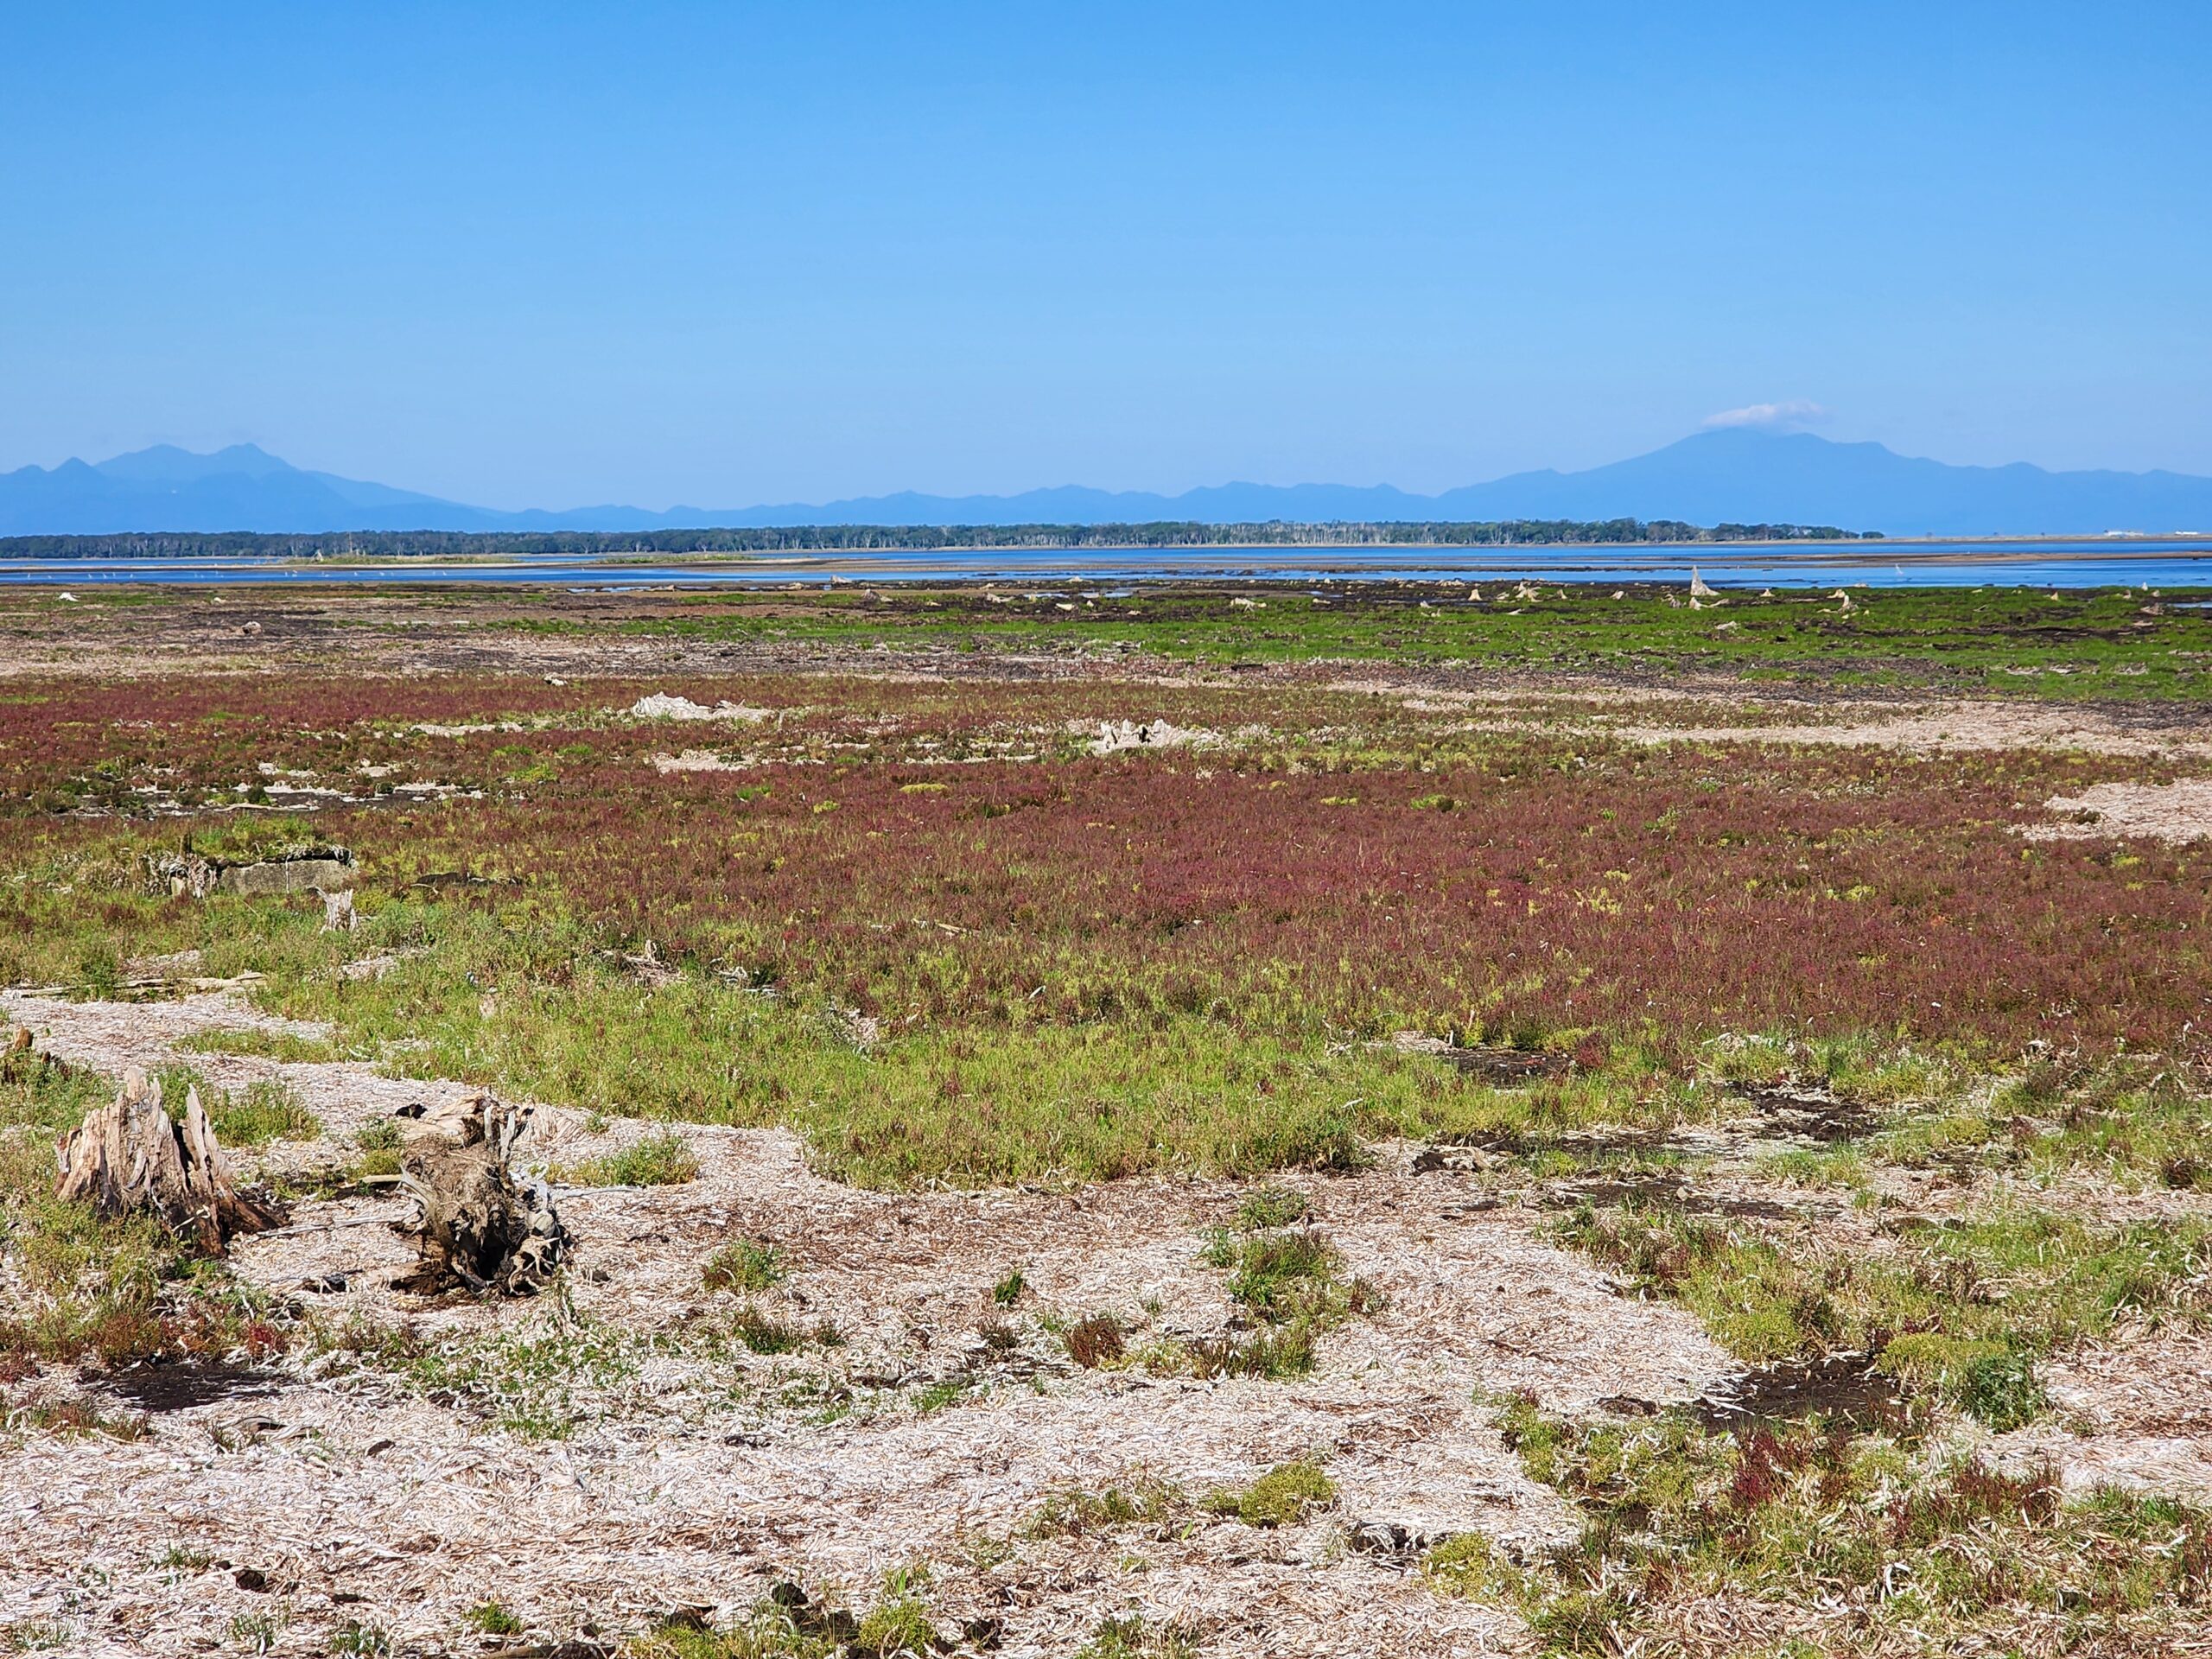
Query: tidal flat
x,y
1208,1119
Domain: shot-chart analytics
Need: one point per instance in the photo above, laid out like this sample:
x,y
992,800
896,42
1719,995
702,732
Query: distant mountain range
x,y
1734,475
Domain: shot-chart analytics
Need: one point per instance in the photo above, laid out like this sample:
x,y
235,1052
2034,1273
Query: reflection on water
x,y
2086,563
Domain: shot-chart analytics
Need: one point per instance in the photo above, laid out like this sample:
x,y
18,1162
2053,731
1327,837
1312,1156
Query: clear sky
x,y
550,255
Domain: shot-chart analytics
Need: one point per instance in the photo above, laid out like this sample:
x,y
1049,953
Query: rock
x,y
1453,1161
1381,1538
130,1157
338,915
660,706
314,868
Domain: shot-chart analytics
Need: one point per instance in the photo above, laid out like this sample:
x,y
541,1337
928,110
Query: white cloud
x,y
1774,417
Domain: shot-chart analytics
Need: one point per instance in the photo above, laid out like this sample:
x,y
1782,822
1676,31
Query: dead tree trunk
x,y
481,1226
130,1157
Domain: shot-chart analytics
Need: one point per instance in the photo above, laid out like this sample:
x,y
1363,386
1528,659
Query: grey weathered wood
x,y
130,1157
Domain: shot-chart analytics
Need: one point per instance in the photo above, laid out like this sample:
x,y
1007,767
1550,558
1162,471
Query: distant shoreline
x,y
2173,562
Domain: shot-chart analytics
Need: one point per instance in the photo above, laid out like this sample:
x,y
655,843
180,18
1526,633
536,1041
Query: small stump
x,y
130,1157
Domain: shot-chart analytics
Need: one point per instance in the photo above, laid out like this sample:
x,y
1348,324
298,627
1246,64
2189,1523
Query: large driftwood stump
x,y
481,1226
130,1157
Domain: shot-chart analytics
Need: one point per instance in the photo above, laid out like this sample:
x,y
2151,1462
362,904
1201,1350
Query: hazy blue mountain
x,y
1735,475
1748,476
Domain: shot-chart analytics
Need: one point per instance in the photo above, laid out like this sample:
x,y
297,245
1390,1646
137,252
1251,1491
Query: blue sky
x,y
551,255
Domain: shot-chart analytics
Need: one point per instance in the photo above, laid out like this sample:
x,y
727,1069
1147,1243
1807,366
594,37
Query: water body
x,y
2184,563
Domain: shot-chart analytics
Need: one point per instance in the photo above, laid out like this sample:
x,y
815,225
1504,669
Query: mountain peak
x,y
164,463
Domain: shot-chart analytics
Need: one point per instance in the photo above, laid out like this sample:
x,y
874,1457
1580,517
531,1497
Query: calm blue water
x,y
2086,563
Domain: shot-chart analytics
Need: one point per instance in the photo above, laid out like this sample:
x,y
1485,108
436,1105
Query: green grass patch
x,y
1135,1638
1283,1497
490,1618
266,1110
1272,1206
284,1046
745,1264
1073,1514
1963,1307
763,1332
661,1159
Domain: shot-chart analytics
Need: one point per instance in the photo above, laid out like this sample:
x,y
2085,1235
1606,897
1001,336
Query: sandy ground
x,y
2132,1414
696,1476
2177,811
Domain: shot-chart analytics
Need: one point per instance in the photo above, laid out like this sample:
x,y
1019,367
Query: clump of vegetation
x,y
1009,1290
355,1638
763,1332
662,1160
1283,1276
1283,1497
1812,1515
255,1632
288,1046
380,1142
1292,1278
267,1110
1094,1340
492,1619
1072,1514
745,1264
1932,1312
1273,1355
899,1626
69,1418
945,1391
775,1629
1133,1638
1272,1206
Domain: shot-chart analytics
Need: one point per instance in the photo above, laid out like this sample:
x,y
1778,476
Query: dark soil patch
x,y
1844,1388
1661,1192
1506,1066
1798,1113
181,1384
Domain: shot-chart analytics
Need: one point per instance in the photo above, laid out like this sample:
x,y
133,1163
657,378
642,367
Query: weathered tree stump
x,y
130,1157
481,1226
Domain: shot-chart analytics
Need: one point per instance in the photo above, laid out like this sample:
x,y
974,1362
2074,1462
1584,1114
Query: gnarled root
x,y
481,1226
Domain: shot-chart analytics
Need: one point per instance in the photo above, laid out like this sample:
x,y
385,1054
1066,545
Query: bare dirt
x,y
2132,1414
2178,811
